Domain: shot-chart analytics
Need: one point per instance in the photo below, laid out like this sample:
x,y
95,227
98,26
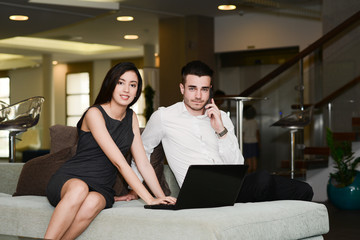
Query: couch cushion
x,y
36,173
9,176
157,160
129,220
62,137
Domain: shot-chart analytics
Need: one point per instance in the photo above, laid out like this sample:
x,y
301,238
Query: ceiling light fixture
x,y
131,37
57,45
111,5
18,17
125,18
226,7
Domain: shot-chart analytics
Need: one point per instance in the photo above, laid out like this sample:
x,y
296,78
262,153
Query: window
x,y
4,97
77,96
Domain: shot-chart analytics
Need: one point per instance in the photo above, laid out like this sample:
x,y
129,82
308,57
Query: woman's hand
x,y
128,197
163,200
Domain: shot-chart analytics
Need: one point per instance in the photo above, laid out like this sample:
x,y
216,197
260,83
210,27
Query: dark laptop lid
x,y
207,186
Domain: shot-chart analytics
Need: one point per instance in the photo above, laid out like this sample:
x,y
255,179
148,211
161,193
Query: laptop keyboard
x,y
160,206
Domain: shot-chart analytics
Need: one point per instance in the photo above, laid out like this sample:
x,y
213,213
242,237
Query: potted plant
x,y
344,185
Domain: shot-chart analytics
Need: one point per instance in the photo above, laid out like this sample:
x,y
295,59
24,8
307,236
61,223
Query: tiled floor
x,y
344,224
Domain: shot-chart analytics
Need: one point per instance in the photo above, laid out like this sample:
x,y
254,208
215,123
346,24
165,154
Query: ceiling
x,y
94,22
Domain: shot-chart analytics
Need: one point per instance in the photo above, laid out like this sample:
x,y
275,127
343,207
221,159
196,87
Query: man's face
x,y
196,93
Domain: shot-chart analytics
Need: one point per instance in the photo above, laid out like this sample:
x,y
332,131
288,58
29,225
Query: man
x,y
195,131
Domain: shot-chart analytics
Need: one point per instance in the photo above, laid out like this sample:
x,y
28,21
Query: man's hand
x,y
214,114
128,197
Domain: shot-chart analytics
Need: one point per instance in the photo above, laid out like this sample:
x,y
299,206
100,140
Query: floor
x,y
344,224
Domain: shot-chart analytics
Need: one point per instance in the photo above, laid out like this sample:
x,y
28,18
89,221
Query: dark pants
x,y
262,186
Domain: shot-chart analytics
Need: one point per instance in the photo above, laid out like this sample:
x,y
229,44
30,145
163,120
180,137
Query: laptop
x,y
207,186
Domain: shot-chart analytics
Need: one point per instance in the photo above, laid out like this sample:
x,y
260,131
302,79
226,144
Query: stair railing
x,y
341,28
328,99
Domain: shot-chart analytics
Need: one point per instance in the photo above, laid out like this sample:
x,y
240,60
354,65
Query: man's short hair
x,y
197,68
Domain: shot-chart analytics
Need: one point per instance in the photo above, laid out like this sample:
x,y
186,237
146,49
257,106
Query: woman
x,y
82,187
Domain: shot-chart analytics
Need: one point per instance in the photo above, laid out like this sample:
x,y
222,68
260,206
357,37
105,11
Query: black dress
x,y
90,164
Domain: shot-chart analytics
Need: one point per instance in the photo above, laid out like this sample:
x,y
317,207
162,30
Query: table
x,y
294,122
239,113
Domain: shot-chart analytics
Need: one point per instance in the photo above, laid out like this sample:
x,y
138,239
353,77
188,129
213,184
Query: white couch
x,y
29,215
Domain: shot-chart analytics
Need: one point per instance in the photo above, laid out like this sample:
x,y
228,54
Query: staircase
x,y
324,67
318,157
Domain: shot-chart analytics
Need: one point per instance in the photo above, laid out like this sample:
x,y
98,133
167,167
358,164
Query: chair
x,y
18,117
294,122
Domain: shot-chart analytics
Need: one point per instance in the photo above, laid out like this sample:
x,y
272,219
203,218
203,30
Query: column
x,y
182,39
48,110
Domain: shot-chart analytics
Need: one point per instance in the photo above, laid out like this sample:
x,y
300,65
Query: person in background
x,y
82,187
251,138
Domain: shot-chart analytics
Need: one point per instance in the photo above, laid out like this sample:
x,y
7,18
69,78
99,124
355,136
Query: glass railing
x,y
319,72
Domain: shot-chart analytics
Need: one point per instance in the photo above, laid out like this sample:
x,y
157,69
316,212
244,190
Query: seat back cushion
x,y
36,173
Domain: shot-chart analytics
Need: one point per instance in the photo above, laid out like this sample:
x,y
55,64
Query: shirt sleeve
x,y
228,146
151,138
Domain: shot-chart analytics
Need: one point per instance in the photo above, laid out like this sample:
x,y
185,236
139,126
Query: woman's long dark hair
x,y
112,78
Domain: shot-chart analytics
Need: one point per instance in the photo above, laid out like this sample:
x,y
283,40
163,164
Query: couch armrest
x,y
171,181
9,176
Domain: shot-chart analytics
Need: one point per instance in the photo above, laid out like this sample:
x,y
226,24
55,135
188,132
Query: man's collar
x,y
184,110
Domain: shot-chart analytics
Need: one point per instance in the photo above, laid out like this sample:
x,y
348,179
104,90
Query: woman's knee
x,y
75,189
92,205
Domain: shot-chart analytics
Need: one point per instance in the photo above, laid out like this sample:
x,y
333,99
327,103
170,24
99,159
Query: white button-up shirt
x,y
189,139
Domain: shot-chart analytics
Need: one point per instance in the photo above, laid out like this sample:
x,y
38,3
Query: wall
x,y
27,82
100,68
60,71
182,39
251,30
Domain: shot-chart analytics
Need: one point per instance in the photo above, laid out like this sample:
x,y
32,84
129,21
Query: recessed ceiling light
x,y
125,18
226,7
18,18
131,37
55,62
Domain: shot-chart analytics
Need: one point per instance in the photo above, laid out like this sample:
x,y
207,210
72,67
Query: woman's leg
x,y
91,207
73,194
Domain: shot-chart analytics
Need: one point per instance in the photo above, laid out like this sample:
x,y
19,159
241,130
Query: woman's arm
x,y
142,162
94,122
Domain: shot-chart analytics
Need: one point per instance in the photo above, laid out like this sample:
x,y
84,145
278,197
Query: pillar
x,y
182,39
48,109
